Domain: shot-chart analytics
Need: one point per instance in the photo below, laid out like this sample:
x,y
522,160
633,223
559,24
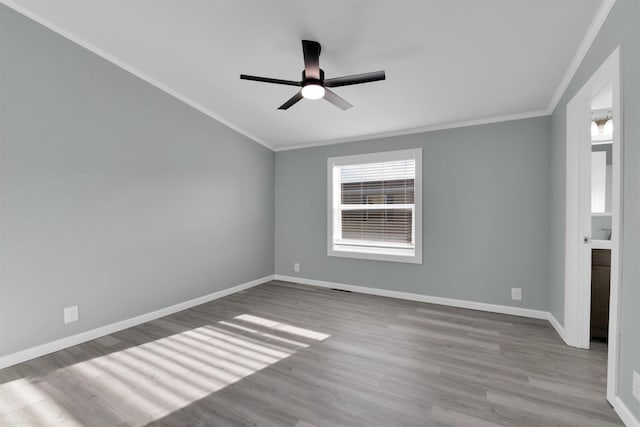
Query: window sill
x,y
375,254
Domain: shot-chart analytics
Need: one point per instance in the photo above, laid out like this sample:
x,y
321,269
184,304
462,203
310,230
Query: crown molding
x,y
130,69
576,61
411,131
569,74
581,52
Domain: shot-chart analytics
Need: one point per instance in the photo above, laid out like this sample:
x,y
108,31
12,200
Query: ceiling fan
x,y
313,84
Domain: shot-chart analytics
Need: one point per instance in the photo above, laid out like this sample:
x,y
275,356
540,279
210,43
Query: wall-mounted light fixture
x,y
602,127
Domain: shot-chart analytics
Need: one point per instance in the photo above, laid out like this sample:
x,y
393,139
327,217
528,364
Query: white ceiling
x,y
447,61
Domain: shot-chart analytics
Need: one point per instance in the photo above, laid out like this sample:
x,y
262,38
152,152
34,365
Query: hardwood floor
x,y
282,354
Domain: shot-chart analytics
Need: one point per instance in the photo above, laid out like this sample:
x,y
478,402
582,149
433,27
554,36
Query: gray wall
x,y
620,28
111,188
114,195
486,213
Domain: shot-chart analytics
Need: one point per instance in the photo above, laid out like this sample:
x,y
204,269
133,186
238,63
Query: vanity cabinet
x,y
600,289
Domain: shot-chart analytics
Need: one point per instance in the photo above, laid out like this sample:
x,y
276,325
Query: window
x,y
375,206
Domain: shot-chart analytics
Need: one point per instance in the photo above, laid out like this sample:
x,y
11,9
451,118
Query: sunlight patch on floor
x,y
265,335
307,333
22,403
154,379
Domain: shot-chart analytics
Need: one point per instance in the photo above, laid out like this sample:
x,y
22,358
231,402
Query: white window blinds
x,y
374,206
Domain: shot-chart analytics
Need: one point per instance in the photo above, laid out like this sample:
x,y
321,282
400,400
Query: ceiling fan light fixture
x,y
313,91
313,84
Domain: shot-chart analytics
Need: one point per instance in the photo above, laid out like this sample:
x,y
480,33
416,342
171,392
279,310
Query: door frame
x,y
577,301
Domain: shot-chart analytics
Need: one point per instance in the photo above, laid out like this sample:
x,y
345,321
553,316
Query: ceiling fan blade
x,y
311,52
355,79
269,80
336,100
295,98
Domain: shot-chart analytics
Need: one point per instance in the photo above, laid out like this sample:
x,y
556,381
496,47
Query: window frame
x,y
363,251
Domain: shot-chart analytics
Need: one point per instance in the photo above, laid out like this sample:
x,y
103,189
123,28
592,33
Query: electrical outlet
x,y
516,294
296,266
71,314
636,386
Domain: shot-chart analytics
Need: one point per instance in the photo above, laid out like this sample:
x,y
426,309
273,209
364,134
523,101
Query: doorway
x,y
602,168
587,230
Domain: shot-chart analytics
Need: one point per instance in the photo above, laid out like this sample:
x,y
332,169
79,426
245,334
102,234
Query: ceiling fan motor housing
x,y
315,86
310,81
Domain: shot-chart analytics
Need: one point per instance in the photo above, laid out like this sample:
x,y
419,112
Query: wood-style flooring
x,y
283,354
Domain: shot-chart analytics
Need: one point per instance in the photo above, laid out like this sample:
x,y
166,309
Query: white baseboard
x,y
621,409
493,308
50,347
624,413
558,327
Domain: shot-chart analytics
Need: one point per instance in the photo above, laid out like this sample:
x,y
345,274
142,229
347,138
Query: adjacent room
x,y
304,214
